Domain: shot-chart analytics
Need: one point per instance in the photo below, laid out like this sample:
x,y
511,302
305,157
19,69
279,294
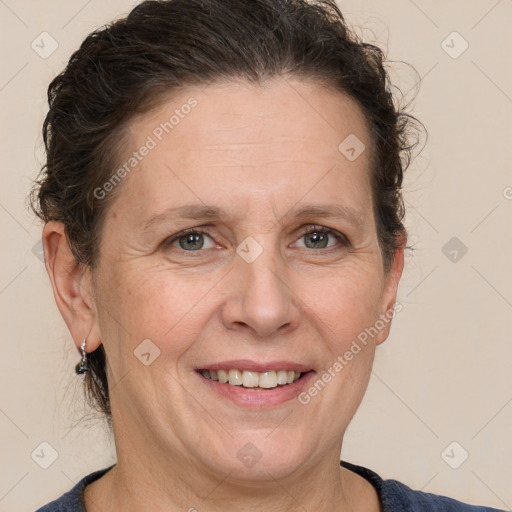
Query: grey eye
x,y
191,241
317,240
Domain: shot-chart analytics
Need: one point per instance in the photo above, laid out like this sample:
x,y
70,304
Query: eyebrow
x,y
187,211
335,211
206,212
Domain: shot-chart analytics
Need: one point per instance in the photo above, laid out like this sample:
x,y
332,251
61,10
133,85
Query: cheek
x,y
154,304
172,309
345,303
344,313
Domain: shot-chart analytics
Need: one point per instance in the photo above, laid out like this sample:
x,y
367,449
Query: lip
x,y
254,366
254,398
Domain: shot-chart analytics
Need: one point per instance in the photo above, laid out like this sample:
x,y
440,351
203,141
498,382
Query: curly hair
x,y
128,66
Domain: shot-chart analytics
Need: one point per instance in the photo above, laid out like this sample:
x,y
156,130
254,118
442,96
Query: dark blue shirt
x,y
394,496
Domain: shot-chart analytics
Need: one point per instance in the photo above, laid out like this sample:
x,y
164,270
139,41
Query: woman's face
x,y
256,166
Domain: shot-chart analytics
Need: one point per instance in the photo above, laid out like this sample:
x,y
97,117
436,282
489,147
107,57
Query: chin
x,y
262,460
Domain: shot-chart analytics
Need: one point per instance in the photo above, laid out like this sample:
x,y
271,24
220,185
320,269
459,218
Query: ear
x,y
391,282
72,287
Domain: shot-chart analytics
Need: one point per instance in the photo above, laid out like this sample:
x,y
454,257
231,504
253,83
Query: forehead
x,y
237,140
239,114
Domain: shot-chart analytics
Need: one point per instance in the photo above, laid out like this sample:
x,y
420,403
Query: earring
x,y
82,366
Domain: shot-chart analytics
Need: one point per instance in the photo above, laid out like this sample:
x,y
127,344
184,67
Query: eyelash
x,y
310,229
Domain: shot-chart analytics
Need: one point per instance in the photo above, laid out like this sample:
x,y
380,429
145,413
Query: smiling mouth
x,y
253,380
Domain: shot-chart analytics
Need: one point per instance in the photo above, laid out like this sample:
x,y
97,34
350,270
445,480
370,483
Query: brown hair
x,y
127,66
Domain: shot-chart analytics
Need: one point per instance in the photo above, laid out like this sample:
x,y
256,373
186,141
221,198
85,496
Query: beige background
x,y
444,374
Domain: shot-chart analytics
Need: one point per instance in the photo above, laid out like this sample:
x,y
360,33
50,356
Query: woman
x,y
223,234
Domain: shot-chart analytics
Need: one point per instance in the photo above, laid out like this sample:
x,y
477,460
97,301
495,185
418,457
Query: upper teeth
x,y
250,379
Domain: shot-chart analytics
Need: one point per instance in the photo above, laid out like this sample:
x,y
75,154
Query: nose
x,y
260,298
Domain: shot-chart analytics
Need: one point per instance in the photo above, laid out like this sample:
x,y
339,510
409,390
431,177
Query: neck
x,y
136,484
